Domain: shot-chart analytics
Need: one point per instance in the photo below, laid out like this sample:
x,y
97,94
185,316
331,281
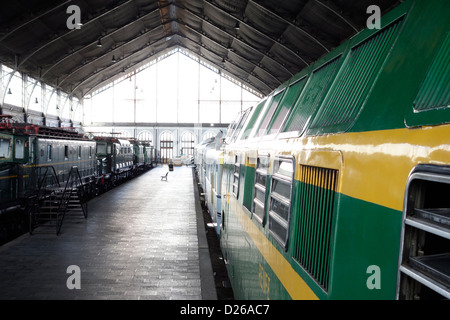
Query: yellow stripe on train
x,y
373,166
291,280
13,177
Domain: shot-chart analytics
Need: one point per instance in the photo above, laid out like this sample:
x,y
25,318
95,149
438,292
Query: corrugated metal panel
x,y
314,222
346,95
435,90
311,97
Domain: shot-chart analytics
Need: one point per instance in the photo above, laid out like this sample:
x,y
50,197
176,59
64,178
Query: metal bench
x,y
164,177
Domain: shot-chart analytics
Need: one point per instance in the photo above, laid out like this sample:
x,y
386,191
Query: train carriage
x,y
138,155
213,185
116,160
28,151
105,155
123,159
201,151
144,155
14,154
337,185
63,154
38,162
149,155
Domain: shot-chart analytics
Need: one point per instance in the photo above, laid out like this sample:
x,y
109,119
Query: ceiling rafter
x,y
261,34
73,30
240,41
35,18
232,52
290,23
337,14
203,46
102,37
104,54
261,59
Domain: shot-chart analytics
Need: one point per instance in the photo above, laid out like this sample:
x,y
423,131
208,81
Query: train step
x,y
52,208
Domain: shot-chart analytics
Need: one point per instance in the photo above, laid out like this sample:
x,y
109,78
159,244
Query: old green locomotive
x,y
37,161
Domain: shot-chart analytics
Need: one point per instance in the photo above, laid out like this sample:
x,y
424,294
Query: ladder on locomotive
x,y
53,201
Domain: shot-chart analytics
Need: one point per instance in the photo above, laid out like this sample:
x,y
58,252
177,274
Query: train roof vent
x,y
311,97
251,123
275,101
347,93
435,90
432,103
284,107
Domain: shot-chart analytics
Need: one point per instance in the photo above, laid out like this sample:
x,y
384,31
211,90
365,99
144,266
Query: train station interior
x,y
130,89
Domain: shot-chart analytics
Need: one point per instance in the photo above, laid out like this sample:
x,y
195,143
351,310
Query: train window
x,y
425,252
101,148
259,191
280,199
19,149
269,113
66,152
4,148
285,106
90,152
236,175
248,129
49,152
79,152
231,128
240,124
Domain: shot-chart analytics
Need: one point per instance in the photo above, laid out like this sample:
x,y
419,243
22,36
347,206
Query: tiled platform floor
x,y
140,241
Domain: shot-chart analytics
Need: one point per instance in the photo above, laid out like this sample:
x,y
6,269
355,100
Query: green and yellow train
x,y
337,184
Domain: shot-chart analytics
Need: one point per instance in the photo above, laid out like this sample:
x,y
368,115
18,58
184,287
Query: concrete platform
x,y
144,239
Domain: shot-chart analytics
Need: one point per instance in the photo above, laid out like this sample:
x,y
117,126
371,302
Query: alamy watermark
x,y
374,280
74,20
74,280
374,20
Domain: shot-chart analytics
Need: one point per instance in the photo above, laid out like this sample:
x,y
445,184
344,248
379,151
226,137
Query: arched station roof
x,y
260,42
